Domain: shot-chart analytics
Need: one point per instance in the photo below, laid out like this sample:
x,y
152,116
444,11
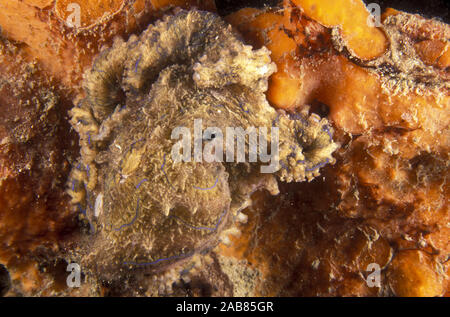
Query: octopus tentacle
x,y
310,149
102,83
200,39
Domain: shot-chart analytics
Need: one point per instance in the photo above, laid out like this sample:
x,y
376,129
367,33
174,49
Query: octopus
x,y
145,210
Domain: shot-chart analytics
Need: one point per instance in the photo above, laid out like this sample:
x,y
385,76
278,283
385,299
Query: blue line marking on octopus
x,y
201,228
183,255
137,209
137,64
130,148
283,165
94,67
177,219
215,184
327,130
90,206
242,107
73,182
132,221
140,183
276,120
318,166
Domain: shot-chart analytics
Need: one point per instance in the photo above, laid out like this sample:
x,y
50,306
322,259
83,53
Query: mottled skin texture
x,y
144,209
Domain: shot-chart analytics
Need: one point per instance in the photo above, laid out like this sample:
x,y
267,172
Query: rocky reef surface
x,y
86,174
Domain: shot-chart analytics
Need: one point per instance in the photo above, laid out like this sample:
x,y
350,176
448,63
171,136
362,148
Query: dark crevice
x,y
5,281
225,7
428,9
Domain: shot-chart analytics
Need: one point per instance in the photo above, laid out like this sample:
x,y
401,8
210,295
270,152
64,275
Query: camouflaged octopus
x,y
144,209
